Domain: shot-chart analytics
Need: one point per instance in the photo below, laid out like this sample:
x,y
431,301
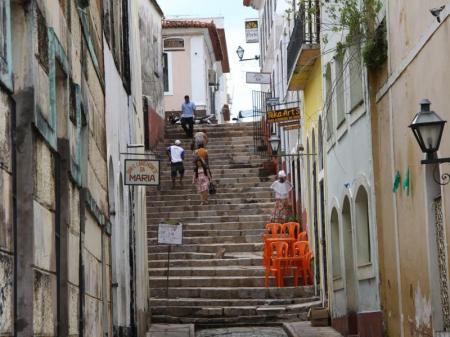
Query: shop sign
x,y
251,31
142,172
283,115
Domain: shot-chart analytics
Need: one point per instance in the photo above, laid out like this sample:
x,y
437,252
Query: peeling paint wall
x,y
417,68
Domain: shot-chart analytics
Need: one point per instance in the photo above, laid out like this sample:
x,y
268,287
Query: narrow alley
x,y
206,168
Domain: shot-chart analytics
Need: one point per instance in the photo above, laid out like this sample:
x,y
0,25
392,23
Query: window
x,y
356,84
340,98
329,102
362,227
5,44
320,135
335,244
166,72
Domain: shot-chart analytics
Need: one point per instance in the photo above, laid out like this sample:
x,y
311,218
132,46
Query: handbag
x,y
212,188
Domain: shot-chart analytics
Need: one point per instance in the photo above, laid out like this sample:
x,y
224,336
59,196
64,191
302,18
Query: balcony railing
x,y
306,31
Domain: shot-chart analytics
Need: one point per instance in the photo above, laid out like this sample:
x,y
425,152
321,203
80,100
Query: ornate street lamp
x,y
240,53
274,141
427,128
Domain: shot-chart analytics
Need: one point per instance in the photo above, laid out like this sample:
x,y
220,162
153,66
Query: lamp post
x,y
240,53
274,141
428,128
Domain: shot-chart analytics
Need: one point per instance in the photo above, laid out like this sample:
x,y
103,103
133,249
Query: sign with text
x,y
283,115
257,78
170,234
142,172
251,31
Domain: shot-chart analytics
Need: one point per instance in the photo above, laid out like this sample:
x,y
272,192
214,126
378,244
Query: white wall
x,y
199,72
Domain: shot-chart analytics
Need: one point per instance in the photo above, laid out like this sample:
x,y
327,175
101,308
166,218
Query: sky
x,y
234,13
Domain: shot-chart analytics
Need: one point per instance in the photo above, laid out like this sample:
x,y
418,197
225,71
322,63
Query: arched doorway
x,y
349,267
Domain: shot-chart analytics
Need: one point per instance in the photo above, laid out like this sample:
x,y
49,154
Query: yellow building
x,y
305,75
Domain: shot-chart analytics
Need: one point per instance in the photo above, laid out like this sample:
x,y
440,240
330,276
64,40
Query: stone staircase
x,y
206,288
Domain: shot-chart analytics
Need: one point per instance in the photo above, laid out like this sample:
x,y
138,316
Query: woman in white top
x,y
282,209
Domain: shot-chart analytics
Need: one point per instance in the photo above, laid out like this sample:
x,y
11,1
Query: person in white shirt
x,y
176,157
282,209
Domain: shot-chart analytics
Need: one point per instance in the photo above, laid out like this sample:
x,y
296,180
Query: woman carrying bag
x,y
204,188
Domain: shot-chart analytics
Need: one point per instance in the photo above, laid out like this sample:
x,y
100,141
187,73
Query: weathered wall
x,y
125,125
410,291
150,27
6,219
62,250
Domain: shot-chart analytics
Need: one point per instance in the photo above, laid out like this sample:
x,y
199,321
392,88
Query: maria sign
x,y
142,172
283,115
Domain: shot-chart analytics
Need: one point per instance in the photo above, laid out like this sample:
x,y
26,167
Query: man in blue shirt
x,y
187,116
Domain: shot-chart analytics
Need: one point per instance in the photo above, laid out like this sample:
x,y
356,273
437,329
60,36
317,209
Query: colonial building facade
x,y
195,63
72,236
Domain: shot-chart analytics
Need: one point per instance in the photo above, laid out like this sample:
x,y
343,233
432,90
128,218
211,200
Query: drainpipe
x,y
80,263
14,205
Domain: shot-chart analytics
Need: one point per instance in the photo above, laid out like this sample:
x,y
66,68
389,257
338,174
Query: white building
x,y
125,126
350,193
195,64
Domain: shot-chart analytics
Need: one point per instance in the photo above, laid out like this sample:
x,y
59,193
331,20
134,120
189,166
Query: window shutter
x,y
5,44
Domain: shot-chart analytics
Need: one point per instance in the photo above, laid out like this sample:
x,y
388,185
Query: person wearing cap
x,y
176,157
282,209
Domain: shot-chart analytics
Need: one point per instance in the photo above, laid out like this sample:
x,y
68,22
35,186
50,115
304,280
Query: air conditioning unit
x,y
212,77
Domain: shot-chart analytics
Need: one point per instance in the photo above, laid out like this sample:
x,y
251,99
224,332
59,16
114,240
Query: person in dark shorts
x,y
176,157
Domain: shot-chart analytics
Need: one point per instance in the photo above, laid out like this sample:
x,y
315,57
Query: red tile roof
x,y
223,44
218,41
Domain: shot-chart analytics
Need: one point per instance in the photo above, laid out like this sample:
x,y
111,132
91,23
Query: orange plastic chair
x,y
292,228
303,236
278,254
274,229
299,261
307,268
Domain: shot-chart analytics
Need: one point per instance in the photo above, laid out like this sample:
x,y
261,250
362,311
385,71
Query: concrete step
x,y
213,233
155,208
209,248
258,218
218,292
229,311
201,240
213,203
198,212
249,196
206,262
218,281
206,226
210,302
208,322
219,271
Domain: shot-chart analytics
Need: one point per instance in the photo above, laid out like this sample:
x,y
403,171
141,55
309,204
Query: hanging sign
x,y
257,78
170,234
142,172
251,31
283,115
